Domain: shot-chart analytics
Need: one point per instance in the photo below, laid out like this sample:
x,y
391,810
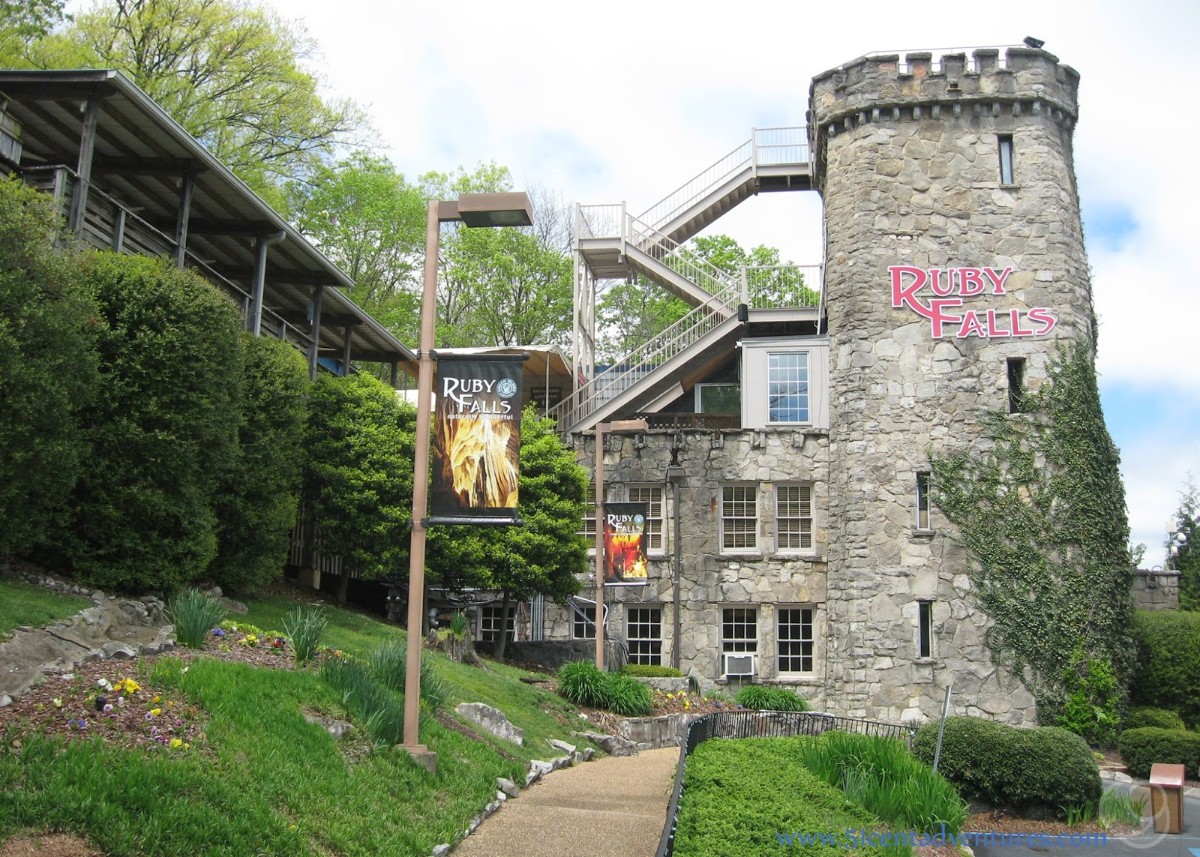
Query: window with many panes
x,y
795,640
793,518
583,622
739,518
739,629
643,634
787,387
489,622
652,496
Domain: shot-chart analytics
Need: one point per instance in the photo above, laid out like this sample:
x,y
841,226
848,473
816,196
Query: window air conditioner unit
x,y
739,664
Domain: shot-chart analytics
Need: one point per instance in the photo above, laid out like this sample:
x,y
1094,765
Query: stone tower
x,y
954,266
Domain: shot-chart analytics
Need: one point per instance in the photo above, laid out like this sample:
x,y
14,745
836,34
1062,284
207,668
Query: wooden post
x,y
83,170
184,215
314,345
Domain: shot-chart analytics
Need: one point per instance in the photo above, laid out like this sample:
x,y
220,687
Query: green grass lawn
x,y
25,604
265,781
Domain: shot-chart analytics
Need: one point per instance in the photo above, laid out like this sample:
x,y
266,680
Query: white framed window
x,y
923,500
489,622
583,622
739,518
643,634
787,387
924,629
652,496
796,641
718,398
793,518
739,630
1004,142
785,382
589,515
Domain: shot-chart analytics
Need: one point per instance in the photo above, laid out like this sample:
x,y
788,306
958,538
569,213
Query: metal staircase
x,y
610,243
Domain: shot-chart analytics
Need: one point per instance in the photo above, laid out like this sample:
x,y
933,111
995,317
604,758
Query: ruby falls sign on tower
x,y
941,295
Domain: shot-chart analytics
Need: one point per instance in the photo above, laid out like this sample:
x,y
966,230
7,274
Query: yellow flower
x,y
58,702
176,743
155,712
157,698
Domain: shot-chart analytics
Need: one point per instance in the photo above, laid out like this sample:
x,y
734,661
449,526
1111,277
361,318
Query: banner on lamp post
x,y
477,440
625,544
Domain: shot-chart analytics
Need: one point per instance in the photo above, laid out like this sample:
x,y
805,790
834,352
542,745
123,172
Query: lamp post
x,y
472,209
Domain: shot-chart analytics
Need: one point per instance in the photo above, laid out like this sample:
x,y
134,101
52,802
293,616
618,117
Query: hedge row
x,y
1168,662
1141,748
1044,770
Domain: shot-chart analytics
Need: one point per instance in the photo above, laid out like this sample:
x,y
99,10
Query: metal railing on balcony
x,y
775,286
766,147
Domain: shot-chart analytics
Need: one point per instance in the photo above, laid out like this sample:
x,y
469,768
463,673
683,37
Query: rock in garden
x,y
492,720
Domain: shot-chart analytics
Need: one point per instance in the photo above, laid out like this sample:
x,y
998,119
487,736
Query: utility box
x,y
1166,797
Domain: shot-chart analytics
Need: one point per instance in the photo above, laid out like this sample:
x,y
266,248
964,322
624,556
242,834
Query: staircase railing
x,y
713,280
766,147
774,286
639,362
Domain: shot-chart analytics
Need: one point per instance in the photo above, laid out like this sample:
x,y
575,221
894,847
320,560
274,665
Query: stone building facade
x,y
954,269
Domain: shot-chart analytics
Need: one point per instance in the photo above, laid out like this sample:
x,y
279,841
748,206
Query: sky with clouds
x,y
604,102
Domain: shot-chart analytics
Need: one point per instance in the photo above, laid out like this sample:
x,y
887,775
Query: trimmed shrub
x,y
47,369
1141,748
1168,662
257,499
1025,770
583,684
770,699
627,696
650,671
1160,718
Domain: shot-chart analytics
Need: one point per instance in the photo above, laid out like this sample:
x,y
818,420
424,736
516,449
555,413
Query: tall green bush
x,y
1161,718
47,368
162,427
359,472
1027,770
257,499
762,698
1168,662
1141,748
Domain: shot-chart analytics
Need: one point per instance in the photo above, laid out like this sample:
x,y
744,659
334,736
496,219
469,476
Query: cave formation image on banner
x,y
625,544
477,439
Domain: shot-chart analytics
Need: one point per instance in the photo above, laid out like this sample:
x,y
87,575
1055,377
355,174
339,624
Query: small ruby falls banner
x,y
477,440
625,544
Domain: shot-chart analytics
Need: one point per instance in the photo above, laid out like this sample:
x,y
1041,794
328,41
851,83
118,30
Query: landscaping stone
x,y
613,745
569,749
336,728
492,720
507,786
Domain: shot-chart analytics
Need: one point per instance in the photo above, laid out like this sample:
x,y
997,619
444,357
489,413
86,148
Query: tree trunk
x,y
343,586
502,643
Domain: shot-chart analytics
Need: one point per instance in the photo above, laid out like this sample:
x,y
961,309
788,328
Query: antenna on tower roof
x,y
1031,42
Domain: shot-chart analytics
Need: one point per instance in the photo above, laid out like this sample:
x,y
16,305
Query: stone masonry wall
x,y
909,168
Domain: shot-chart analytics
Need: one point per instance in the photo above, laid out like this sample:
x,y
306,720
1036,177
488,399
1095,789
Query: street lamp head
x,y
495,209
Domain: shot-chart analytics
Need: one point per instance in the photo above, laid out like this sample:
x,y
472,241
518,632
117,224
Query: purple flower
x,y
218,632
149,716
108,708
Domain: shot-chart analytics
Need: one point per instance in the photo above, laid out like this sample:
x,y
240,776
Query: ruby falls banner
x,y
625,544
477,440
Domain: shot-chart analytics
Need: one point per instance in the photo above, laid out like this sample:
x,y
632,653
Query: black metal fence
x,y
762,724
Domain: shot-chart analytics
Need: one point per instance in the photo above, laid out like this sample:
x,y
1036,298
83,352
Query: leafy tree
x,y
231,72
358,475
257,500
1042,515
502,286
161,428
47,368
1186,545
369,221
23,22
629,314
541,556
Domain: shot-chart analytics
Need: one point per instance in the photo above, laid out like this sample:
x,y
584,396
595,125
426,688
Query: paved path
x,y
612,807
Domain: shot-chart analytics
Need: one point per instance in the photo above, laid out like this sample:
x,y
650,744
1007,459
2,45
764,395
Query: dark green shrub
x,y
194,614
162,427
1141,748
626,695
770,699
650,671
1090,708
257,498
1159,718
1037,770
883,776
1168,662
47,369
583,684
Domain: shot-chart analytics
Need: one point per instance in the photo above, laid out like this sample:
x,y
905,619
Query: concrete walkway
x,y
612,807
